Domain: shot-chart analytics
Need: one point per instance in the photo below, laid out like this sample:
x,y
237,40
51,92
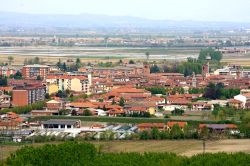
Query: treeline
x,y
85,154
189,132
218,91
186,68
192,64
25,109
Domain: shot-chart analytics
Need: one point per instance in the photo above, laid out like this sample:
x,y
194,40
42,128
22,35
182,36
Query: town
x,y
196,99
124,83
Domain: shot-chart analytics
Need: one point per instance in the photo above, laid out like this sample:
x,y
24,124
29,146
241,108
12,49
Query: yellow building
x,y
76,83
52,89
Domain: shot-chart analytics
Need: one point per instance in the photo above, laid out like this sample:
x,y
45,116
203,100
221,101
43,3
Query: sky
x,y
201,10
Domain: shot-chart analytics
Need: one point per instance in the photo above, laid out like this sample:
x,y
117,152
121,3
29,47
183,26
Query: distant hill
x,y
9,19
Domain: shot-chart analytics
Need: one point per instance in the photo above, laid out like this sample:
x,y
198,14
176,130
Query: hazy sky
x,y
207,10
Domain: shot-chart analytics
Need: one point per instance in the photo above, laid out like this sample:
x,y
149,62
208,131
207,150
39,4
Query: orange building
x,y
33,71
28,94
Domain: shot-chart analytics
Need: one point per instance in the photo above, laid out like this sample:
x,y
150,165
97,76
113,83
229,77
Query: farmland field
x,y
182,147
51,55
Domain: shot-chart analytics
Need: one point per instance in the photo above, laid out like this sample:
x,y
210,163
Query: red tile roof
x,y
151,125
66,77
181,124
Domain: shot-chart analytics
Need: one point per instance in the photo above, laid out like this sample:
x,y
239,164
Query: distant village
x,y
128,90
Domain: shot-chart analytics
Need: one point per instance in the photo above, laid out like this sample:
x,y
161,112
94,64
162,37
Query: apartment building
x,y
77,82
35,70
28,94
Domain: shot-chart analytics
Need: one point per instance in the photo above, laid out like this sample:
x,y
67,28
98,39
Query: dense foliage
x,y
154,69
35,60
187,68
72,153
3,81
219,92
17,75
215,55
69,153
157,90
245,125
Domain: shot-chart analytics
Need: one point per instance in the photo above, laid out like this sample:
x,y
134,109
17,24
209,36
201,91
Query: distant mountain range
x,y
9,19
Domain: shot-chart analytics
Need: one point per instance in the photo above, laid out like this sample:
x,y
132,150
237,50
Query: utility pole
x,y
204,145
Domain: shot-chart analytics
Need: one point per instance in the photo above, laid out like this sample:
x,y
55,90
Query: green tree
x,y
122,102
154,69
87,113
3,81
176,132
155,133
245,125
36,60
113,102
38,78
215,55
147,55
131,61
78,63
18,75
144,135
10,59
204,133
177,111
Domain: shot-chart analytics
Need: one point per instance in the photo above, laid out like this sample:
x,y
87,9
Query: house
x,y
180,124
10,120
150,126
235,103
54,105
60,124
244,98
202,106
115,112
221,128
99,112
129,93
171,107
44,112
140,106
4,100
81,105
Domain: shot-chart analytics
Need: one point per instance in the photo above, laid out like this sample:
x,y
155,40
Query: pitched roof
x,y
151,125
67,77
180,124
82,105
129,90
52,102
234,101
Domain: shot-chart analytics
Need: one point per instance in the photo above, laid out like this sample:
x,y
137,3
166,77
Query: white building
x,y
243,98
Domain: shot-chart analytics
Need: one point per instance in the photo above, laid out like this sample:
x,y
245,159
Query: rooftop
x,y
60,122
